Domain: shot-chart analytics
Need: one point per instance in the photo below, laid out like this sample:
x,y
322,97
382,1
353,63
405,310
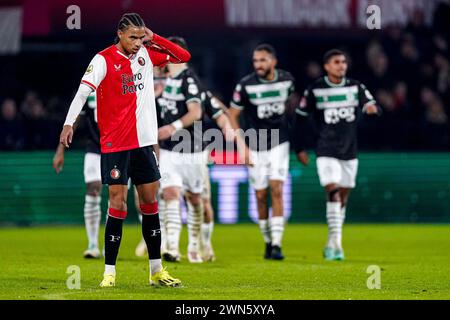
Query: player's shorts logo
x,y
141,61
115,173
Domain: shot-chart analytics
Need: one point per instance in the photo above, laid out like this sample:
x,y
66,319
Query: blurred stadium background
x,y
405,160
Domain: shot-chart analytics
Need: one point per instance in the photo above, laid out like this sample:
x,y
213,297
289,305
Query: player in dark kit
x,y
122,76
181,157
261,97
336,103
92,176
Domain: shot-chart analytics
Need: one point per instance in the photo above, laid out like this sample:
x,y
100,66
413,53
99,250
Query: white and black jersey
x,y
264,106
211,111
90,114
172,104
335,109
210,105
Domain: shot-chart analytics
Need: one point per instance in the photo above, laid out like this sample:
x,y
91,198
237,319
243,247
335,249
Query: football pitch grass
x,y
414,262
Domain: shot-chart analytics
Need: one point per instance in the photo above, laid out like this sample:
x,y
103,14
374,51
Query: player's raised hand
x,y
165,132
148,35
371,109
66,135
303,157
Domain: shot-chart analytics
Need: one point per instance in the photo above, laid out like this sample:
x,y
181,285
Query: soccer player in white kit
x,y
122,76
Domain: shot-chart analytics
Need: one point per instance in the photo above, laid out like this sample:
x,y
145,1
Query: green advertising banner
x,y
391,187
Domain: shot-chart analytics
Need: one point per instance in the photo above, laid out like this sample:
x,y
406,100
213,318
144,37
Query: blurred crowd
x,y
30,124
407,70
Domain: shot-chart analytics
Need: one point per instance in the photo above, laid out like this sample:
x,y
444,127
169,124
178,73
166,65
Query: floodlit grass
x,y
414,262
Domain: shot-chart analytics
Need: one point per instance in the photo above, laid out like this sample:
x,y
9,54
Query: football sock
x,y
276,230
113,235
110,269
206,231
172,219
195,217
334,220
162,205
92,216
151,230
265,230
155,265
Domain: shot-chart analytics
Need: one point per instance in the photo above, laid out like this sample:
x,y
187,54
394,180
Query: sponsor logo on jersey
x,y
129,83
141,61
117,67
89,69
115,173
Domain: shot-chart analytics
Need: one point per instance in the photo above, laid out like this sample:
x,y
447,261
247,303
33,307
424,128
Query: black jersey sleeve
x,y
240,97
158,112
366,98
307,103
211,105
191,89
305,107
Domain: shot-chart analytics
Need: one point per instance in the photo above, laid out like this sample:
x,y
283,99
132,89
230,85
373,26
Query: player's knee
x,y
333,195
277,192
171,194
261,195
117,201
195,199
94,188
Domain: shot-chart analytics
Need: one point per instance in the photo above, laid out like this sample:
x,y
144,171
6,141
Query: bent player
x,y
212,105
122,75
261,98
159,80
336,103
180,159
92,177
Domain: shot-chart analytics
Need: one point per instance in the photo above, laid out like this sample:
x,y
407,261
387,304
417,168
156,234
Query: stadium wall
x,y
392,187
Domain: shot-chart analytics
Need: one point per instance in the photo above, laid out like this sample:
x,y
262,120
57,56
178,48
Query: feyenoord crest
x,y
115,173
141,61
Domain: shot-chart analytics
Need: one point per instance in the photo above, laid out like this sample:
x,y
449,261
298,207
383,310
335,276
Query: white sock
x,y
207,230
92,216
265,230
334,220
161,206
172,221
343,213
155,265
110,269
277,229
194,221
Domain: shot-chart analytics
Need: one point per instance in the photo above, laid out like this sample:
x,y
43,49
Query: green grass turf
x,y
414,260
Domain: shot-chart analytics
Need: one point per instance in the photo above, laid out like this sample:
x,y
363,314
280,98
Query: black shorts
x,y
138,164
